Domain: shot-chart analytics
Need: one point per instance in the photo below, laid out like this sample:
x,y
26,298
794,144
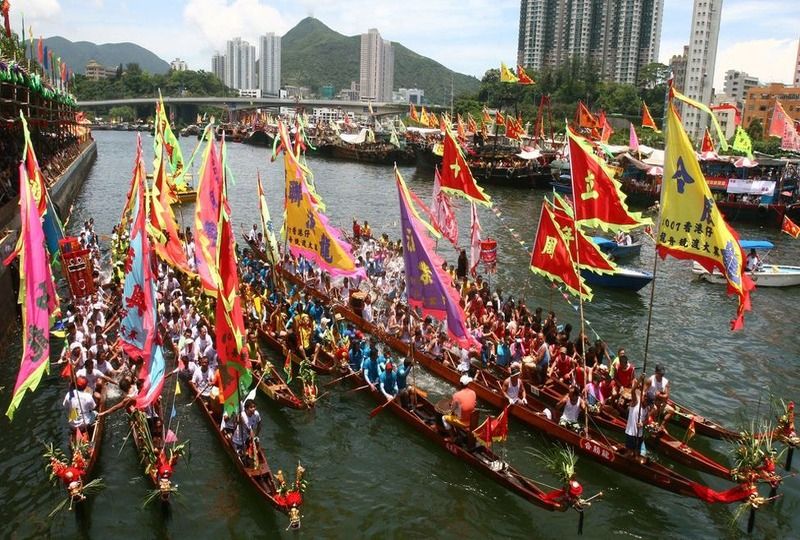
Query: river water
x,y
379,478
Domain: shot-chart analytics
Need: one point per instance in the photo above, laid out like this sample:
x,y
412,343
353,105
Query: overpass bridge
x,y
245,103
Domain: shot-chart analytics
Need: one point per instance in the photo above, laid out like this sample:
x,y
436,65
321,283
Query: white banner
x,y
751,187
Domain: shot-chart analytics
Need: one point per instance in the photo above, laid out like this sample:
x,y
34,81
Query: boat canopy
x,y
353,138
756,244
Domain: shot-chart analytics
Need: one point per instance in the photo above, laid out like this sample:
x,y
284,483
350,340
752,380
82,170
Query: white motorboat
x,y
767,275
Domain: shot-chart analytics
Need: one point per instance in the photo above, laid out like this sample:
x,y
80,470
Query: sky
x,y
469,36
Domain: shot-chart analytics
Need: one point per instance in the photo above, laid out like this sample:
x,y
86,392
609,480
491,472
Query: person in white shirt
x,y
203,378
248,429
253,233
203,340
80,406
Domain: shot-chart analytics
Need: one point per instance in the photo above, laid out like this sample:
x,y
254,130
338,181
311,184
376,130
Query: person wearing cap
x,y
370,368
388,381
563,367
513,388
462,406
80,406
656,391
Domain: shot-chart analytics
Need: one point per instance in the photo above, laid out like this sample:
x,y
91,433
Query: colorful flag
x,y
444,216
633,140
472,125
170,437
499,119
493,429
177,387
166,140
37,295
138,327
206,218
412,113
154,381
475,241
40,51
133,190
584,118
598,197
777,124
608,131
742,142
506,75
708,144
461,129
266,225
551,258
723,143
524,78
456,176
692,226
307,229
427,285
485,118
584,252
790,227
647,119
166,242
423,117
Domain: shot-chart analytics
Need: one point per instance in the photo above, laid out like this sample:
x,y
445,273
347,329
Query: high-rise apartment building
x,y
797,67
377,67
269,64
619,36
737,83
677,65
240,65
218,65
700,63
178,65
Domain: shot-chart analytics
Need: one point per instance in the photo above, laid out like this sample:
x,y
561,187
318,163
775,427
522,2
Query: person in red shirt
x,y
623,378
356,230
563,367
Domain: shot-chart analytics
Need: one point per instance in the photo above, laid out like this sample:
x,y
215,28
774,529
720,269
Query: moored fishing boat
x,y
618,251
628,279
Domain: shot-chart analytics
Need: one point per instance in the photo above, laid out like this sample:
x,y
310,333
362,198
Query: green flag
x,y
742,142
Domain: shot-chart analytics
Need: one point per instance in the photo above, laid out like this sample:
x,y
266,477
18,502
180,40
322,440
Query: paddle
x,y
334,381
357,389
379,408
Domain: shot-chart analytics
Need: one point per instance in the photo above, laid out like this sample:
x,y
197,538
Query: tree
x,y
755,130
652,75
123,113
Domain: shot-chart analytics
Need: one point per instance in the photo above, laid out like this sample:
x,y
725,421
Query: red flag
x,y
486,118
461,128
471,124
493,429
444,216
66,373
523,77
499,119
598,197
475,241
551,257
412,113
708,144
169,246
40,51
456,176
790,227
647,119
584,118
777,125
591,257
608,131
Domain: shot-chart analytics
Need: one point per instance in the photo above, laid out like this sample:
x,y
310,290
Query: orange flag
x,y
608,131
461,128
471,124
790,227
551,258
412,113
493,429
647,119
486,118
423,117
456,176
708,144
584,118
523,77
499,119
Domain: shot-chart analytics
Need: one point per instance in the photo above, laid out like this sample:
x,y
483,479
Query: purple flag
x,y
427,286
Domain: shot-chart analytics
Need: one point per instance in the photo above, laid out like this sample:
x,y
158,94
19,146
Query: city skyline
x,y
194,29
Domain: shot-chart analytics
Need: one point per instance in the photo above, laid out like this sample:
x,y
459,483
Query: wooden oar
x,y
357,389
379,408
334,381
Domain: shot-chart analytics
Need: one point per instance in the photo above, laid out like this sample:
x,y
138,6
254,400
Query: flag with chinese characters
x,y
427,285
584,252
692,226
167,244
777,124
307,229
524,78
266,224
493,429
647,119
456,177
206,217
790,227
138,326
444,216
506,75
598,197
551,257
742,142
166,141
37,294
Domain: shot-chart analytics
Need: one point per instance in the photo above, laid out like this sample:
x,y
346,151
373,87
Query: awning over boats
x,y
424,131
756,244
351,138
530,154
751,187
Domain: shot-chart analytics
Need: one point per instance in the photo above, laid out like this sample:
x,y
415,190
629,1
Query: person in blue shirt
x,y
356,354
503,353
403,370
388,381
315,310
369,368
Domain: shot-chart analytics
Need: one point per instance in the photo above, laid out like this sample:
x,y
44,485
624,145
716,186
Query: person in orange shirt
x,y
462,406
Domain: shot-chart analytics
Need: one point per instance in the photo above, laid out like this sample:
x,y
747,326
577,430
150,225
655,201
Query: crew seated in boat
x,y
80,406
370,368
571,407
388,381
463,414
203,379
253,350
753,262
563,367
245,435
94,378
403,371
623,377
513,387
656,391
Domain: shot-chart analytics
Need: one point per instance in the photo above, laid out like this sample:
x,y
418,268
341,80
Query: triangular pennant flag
x,y
523,76
647,119
506,75
456,176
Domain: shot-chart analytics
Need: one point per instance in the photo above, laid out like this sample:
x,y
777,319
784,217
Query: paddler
x,y
571,405
656,391
253,350
462,406
388,381
80,406
246,433
513,388
370,369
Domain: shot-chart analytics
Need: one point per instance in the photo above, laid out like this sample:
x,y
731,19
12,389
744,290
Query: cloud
x,y
217,21
750,10
771,60
40,10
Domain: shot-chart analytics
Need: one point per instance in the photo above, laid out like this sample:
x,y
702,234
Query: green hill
x,y
313,55
77,54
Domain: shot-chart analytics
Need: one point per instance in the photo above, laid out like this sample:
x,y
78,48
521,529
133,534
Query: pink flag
x,y
206,218
633,144
170,437
474,242
444,217
36,293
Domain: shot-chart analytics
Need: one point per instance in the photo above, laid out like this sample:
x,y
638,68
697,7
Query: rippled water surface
x,y
379,478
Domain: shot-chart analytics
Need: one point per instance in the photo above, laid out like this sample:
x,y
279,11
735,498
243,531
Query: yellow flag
x,y
177,388
742,142
691,226
506,75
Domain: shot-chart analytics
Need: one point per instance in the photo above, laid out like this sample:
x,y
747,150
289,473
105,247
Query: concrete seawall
x,y
62,193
